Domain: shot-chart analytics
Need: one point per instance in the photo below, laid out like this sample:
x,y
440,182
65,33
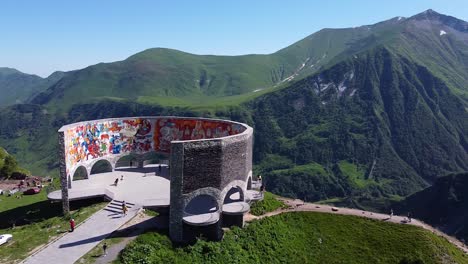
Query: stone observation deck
x,y
205,176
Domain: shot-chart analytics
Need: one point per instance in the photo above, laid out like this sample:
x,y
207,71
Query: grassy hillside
x,y
374,125
170,77
17,87
304,238
445,205
9,166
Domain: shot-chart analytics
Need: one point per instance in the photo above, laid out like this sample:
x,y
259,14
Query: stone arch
x,y
234,194
127,160
101,166
80,173
234,186
201,204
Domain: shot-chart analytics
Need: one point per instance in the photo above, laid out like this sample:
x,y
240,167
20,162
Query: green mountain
x,y
444,205
358,115
17,87
374,125
160,75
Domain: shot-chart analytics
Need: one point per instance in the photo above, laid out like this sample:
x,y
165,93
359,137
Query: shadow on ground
x,y
157,223
39,211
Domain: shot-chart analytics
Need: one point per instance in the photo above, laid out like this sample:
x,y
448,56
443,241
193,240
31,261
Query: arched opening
x,y
101,166
80,174
235,194
201,218
234,207
202,204
129,161
153,158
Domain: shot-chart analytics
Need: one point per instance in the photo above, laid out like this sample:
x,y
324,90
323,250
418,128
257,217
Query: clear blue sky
x,y
43,36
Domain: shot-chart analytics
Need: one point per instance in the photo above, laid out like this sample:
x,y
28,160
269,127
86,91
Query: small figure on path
x,y
391,213
409,217
262,188
124,208
72,225
116,181
159,168
104,248
121,177
259,178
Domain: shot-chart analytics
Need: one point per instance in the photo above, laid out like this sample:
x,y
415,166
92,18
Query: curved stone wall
x,y
110,139
207,156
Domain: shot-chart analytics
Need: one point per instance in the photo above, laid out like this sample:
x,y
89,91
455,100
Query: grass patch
x,y
37,223
303,237
268,204
355,173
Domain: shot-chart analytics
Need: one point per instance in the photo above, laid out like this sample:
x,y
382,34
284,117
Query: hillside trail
x,y
296,205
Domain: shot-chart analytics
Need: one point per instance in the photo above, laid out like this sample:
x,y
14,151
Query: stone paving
x,y
145,186
70,247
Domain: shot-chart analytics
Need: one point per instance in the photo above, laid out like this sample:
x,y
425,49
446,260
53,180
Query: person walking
x,y
72,225
121,177
116,181
124,208
409,217
391,213
104,248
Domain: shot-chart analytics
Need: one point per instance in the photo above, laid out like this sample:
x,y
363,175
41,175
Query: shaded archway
x,y
235,194
80,174
101,166
201,204
127,161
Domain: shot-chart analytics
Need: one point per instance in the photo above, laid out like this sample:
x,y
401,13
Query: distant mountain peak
x,y
433,16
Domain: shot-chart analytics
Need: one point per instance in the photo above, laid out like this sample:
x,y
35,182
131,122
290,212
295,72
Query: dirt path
x,y
300,206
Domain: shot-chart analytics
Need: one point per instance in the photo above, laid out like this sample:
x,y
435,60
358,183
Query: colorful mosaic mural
x,y
95,139
167,130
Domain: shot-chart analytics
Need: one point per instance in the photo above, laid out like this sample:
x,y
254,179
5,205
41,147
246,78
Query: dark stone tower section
x,y
63,175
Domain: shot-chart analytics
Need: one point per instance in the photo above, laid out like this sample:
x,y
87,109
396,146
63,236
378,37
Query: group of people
x,y
116,182
408,216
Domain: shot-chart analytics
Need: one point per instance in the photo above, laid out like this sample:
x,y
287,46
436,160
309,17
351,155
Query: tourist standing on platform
x,y
124,208
72,225
116,181
391,213
121,177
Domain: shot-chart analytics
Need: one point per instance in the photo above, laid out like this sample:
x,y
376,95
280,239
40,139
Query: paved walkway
x,y
298,206
70,247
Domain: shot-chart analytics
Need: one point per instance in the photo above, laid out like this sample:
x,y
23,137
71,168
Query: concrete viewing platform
x,y
146,186
202,219
236,208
